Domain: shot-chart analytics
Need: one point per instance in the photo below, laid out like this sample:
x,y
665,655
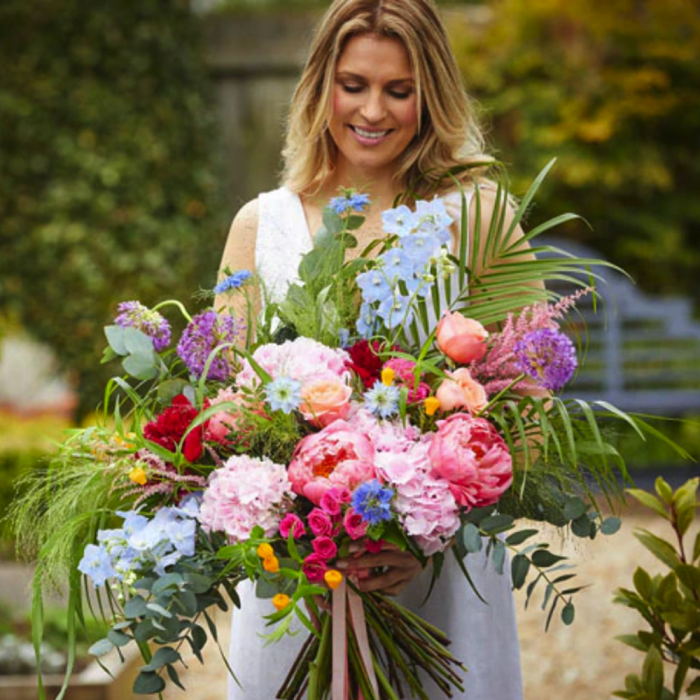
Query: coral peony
x,y
470,454
461,339
336,456
325,401
461,391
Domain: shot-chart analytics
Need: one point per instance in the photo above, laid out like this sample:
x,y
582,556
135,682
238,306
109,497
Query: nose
x,y
372,108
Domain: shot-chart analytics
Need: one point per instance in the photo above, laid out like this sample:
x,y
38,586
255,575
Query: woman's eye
x,y
400,95
352,88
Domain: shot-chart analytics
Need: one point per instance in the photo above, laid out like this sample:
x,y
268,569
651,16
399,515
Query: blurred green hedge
x,y
611,90
110,188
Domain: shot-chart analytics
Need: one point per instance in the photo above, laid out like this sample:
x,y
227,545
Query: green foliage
x,y
108,189
610,90
670,603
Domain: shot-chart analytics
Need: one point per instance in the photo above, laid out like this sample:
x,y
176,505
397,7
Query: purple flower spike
x,y
133,314
207,331
548,356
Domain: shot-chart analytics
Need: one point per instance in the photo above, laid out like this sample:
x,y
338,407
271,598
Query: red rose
x,y
169,427
365,361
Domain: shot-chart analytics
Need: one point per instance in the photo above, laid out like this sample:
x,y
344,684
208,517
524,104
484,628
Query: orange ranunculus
x,y
333,578
431,404
280,601
271,564
138,476
461,391
265,551
461,339
388,375
325,401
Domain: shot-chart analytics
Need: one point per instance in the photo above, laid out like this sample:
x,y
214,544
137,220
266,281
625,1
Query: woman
x,y
380,103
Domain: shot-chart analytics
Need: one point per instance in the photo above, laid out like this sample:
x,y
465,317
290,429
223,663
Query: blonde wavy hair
x,y
448,134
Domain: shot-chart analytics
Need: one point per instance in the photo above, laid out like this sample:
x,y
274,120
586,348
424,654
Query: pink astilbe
x,y
499,368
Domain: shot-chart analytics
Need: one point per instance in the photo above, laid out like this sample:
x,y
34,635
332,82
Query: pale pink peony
x,y
461,339
245,492
385,436
470,454
461,391
338,455
325,401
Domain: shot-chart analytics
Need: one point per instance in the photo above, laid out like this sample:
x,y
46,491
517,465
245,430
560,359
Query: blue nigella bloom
x,y
234,281
373,502
382,400
349,202
283,394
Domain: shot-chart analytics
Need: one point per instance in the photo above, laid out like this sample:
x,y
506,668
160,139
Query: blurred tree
x,y
612,90
108,190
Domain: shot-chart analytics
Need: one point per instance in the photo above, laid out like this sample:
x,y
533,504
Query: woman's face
x,y
374,116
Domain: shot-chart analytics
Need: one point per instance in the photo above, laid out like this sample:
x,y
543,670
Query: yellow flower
x,y
431,405
280,601
265,551
388,375
138,476
333,578
271,564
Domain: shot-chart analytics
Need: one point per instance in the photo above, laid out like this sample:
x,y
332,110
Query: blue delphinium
x,y
373,502
382,400
548,356
97,564
283,394
234,281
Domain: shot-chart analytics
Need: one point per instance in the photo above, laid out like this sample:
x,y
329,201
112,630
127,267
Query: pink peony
x,y
470,454
320,522
461,339
314,567
355,526
336,456
324,547
384,435
292,524
245,492
461,391
325,401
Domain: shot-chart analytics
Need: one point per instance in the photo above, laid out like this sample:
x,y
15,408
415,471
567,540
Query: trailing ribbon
x,y
344,598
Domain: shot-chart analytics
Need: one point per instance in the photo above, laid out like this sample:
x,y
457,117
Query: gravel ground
x,y
580,662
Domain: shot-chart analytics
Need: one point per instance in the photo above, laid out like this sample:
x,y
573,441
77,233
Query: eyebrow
x,y
357,76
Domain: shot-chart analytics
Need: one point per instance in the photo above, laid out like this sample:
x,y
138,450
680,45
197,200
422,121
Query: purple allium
x,y
207,331
133,314
548,356
233,281
373,502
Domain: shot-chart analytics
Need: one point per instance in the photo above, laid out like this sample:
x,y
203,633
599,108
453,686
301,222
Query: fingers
x,y
393,558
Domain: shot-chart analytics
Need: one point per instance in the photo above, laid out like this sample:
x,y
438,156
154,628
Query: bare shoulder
x,y
239,253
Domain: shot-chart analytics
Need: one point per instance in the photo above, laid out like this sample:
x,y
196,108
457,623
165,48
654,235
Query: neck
x,y
381,187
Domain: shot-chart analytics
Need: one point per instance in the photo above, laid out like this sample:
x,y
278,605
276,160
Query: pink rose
x,y
331,501
461,391
473,458
461,339
355,526
292,524
325,401
336,456
314,567
324,547
319,522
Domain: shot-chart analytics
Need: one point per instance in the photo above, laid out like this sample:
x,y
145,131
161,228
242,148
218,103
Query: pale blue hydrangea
x,y
283,394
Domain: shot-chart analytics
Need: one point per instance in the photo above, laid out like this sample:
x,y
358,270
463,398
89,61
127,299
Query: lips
x,y
374,134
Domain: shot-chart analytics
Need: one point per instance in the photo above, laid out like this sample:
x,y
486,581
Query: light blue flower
x,y
397,265
133,522
374,285
399,221
181,534
343,337
435,212
234,281
382,400
283,394
349,202
366,321
421,246
395,311
97,564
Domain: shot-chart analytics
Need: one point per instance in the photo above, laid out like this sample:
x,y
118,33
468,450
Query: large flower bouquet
x,y
369,408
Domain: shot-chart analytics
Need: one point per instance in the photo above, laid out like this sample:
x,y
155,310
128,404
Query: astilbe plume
x,y
500,366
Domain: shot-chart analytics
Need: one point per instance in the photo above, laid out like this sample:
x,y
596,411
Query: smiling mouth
x,y
366,134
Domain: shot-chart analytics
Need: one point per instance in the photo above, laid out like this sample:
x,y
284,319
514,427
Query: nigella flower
x,y
234,281
547,356
207,331
283,394
349,202
133,314
382,400
373,502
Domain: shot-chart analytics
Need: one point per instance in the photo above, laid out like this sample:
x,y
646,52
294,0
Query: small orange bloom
x,y
333,578
388,375
431,405
271,564
280,601
138,476
265,551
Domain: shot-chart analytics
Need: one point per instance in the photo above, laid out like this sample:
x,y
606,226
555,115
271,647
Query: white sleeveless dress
x,y
484,636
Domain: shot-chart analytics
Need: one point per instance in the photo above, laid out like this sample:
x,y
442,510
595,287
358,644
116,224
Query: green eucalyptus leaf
x,y
471,538
169,582
162,656
198,583
568,613
543,558
101,647
496,523
115,338
574,508
119,639
519,567
610,525
141,366
135,607
582,526
520,536
137,342
148,683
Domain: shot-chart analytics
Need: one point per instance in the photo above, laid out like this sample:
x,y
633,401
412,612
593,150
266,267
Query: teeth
x,y
370,134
